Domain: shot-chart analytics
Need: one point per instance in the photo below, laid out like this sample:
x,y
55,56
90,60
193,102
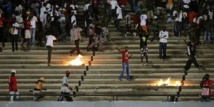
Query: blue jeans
x,y
125,67
207,37
32,33
162,50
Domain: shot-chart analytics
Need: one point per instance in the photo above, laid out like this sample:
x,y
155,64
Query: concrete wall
x,y
107,104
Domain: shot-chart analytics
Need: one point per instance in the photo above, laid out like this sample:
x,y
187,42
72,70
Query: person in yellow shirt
x,y
37,92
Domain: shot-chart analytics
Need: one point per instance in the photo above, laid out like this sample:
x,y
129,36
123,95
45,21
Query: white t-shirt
x,y
119,13
15,32
113,4
163,35
33,22
210,13
73,18
143,18
20,21
50,39
63,87
86,7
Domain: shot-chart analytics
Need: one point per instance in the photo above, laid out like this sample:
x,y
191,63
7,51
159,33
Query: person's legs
x,y
127,71
68,97
49,54
32,33
188,64
161,50
205,37
123,70
12,42
195,62
164,50
16,41
77,46
61,97
209,37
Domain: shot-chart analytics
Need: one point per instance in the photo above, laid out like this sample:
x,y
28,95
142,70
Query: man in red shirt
x,y
14,94
206,85
125,63
27,32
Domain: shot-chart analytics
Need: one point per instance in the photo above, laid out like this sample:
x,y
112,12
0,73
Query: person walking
x,y
208,24
49,45
37,91
76,38
206,85
191,51
14,35
65,89
125,64
163,35
13,89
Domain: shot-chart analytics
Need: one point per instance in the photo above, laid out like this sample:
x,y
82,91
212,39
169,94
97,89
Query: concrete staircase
x,y
97,80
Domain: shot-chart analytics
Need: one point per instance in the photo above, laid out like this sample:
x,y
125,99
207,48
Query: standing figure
x,y
49,45
14,35
125,63
13,89
163,35
206,85
65,89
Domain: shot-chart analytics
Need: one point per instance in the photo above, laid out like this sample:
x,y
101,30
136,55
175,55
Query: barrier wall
x,y
107,104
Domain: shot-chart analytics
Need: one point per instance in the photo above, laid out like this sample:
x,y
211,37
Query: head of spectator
x,y
41,79
126,48
164,28
206,77
67,73
13,72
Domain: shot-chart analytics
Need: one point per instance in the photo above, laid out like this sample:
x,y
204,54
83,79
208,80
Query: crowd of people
x,y
30,21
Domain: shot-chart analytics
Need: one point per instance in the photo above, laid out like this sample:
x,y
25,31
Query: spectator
x,y
155,28
169,4
73,19
206,85
128,18
163,35
33,22
62,22
208,24
43,14
14,35
13,89
113,4
119,15
27,32
125,64
76,38
20,21
91,37
7,7
191,52
65,89
143,46
37,91
49,45
40,33
143,22
2,21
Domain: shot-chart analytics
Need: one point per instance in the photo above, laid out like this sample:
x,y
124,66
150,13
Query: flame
x,y
160,82
178,83
167,82
77,61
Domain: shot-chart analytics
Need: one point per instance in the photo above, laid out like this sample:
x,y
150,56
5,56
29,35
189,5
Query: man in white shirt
x,y
14,35
49,45
113,4
33,22
119,17
163,35
73,19
43,14
65,89
143,19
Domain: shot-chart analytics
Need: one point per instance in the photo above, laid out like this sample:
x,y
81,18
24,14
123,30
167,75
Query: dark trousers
x,y
162,50
146,56
2,39
66,96
190,61
117,24
76,48
14,40
198,33
49,53
26,40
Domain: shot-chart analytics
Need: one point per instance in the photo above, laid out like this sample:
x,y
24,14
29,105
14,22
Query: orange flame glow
x,y
77,61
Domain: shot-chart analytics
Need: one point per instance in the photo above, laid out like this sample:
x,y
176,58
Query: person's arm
x,y
167,35
118,49
10,84
130,56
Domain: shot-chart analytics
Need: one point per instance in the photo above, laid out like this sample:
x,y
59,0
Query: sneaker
x,y
119,79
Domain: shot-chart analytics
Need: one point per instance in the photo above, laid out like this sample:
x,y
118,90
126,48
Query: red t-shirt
x,y
191,15
2,19
123,2
125,56
207,91
12,83
27,24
